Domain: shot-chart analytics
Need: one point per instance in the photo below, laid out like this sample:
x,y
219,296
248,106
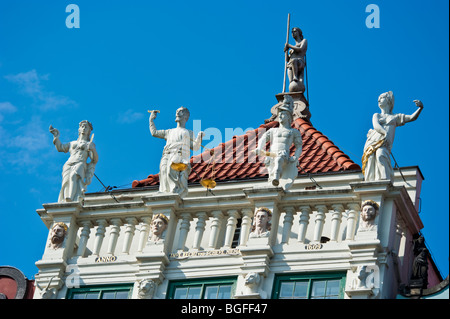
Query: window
x,y
237,233
101,292
321,286
220,288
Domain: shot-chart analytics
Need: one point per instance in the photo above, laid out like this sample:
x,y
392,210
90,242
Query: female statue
x,y
77,172
377,150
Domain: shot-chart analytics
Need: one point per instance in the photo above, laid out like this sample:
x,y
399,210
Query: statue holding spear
x,y
295,60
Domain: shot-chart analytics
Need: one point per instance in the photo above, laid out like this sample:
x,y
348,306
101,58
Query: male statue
x,y
261,223
281,166
295,59
175,165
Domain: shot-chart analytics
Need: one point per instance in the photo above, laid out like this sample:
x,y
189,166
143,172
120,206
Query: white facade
x,y
107,237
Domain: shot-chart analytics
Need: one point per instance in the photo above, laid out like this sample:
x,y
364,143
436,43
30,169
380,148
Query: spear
x,y
286,53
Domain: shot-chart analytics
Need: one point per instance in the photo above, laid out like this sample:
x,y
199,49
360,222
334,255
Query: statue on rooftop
x,y
175,165
377,150
295,61
281,166
77,172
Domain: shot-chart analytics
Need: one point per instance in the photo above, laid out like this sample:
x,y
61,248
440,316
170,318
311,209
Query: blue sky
x,y
224,61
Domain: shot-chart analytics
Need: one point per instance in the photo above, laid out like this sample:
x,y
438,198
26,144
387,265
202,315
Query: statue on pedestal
x,y
419,275
295,61
175,165
376,159
77,172
281,166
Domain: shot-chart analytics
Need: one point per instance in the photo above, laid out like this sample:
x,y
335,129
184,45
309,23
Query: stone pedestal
x,y
301,106
53,264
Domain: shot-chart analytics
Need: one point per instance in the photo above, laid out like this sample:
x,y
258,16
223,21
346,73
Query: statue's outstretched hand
x,y
153,114
54,131
418,103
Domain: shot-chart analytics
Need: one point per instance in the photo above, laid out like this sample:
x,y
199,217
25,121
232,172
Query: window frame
x,y
203,283
309,278
100,289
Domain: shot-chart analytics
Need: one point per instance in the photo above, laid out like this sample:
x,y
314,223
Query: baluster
x,y
143,232
246,225
114,234
215,228
84,237
319,221
287,224
184,230
231,227
351,221
303,222
336,217
99,235
199,229
130,227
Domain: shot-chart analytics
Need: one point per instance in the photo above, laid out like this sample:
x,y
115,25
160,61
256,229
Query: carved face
x,y
296,33
261,219
158,226
84,129
251,278
58,233
384,102
181,115
368,213
284,117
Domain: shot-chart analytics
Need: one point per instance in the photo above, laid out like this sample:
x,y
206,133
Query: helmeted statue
x,y
281,166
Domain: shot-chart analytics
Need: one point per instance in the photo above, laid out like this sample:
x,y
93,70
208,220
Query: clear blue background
x,y
224,61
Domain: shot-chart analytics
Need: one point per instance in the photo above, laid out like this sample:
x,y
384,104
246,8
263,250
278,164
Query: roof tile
x,y
234,159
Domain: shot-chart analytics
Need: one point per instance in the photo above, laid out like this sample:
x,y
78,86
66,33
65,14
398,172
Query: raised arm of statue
x,y
415,115
152,127
60,147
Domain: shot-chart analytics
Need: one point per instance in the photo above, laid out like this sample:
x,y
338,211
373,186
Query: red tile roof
x,y
234,159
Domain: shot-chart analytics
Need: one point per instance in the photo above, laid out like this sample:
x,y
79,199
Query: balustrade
x,y
212,230
303,222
